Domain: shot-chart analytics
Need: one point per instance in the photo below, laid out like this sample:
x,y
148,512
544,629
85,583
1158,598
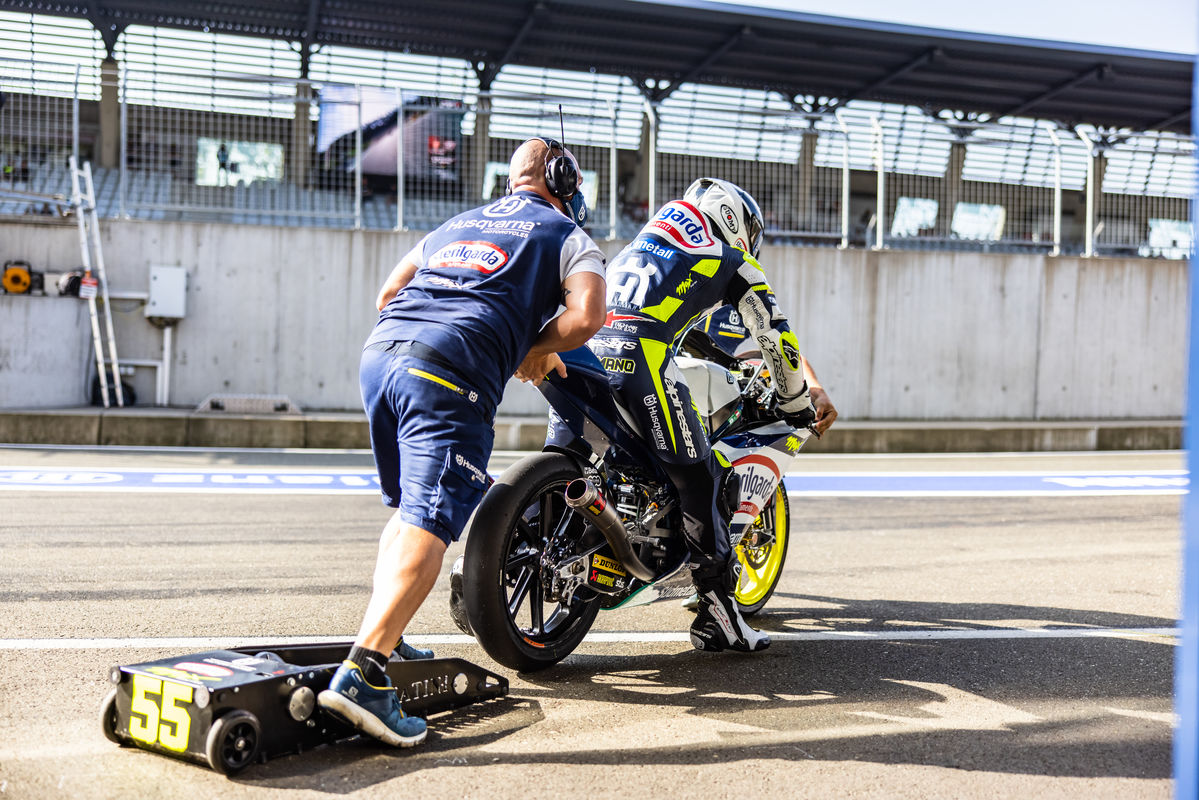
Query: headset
x,y
562,179
561,175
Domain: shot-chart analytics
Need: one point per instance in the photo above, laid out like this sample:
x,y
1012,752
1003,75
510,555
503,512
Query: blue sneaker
x,y
374,710
407,652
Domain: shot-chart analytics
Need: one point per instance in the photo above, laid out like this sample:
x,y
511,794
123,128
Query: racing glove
x,y
798,411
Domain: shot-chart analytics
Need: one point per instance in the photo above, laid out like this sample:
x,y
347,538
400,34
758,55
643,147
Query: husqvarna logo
x,y
683,223
482,256
506,206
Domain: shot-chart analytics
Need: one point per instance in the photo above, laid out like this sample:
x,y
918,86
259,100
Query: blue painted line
x,y
983,484
875,484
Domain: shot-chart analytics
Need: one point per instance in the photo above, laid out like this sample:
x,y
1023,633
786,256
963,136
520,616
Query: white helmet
x,y
733,211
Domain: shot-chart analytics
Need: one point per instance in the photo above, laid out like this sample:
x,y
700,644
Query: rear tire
x,y
502,588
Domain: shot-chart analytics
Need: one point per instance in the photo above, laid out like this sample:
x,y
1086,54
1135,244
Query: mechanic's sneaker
x,y
407,652
374,710
718,625
692,602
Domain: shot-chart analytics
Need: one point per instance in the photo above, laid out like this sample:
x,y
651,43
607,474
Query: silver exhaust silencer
x,y
584,497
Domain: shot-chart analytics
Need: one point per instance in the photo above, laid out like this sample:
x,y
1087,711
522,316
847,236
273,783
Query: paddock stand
x,y
226,709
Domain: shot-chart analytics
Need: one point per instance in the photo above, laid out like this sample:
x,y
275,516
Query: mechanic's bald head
x,y
526,170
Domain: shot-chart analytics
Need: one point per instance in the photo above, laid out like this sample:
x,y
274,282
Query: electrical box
x,y
168,293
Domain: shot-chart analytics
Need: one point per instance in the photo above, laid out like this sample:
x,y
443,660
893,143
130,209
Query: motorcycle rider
x,y
694,255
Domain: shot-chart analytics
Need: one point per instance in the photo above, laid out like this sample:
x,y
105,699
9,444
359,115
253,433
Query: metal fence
x,y
39,131
238,146
258,149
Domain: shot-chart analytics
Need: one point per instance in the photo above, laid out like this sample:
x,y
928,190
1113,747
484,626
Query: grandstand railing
x,y
264,150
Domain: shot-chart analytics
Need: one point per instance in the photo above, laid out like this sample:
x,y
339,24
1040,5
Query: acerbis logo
x,y
683,223
506,206
482,256
730,218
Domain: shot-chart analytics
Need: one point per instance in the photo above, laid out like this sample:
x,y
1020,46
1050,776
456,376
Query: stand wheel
x,y
233,742
109,719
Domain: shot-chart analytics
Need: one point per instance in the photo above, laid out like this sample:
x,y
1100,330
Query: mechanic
x,y
473,303
696,254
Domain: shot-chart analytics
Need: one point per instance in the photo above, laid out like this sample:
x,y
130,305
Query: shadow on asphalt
x,y
1088,707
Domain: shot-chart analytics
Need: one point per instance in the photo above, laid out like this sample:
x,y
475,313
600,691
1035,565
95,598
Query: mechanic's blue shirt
x,y
489,280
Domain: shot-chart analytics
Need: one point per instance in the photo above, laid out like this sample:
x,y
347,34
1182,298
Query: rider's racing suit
x,y
672,273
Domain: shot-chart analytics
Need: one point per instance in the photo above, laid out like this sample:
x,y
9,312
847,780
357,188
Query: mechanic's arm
x,y
583,295
826,412
398,279
768,325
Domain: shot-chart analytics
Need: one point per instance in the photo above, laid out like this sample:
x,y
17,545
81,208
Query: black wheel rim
x,y
239,745
537,618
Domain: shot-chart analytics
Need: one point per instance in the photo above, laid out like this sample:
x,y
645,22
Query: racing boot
x,y
374,710
718,622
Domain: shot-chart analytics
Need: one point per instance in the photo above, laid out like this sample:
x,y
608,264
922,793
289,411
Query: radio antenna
x,y
562,126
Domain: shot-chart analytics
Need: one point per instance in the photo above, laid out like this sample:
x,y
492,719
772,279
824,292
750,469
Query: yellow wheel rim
x,y
761,565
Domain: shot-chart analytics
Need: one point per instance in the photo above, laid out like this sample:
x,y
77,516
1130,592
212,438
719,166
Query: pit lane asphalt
x,y
886,718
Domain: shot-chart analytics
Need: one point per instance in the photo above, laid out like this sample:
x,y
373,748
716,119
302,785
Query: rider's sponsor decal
x,y
654,248
730,219
683,223
651,405
680,414
611,343
614,317
482,256
613,364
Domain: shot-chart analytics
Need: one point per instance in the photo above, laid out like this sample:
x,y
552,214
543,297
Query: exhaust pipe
x,y
582,496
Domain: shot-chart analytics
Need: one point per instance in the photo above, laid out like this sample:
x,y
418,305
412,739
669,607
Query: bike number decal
x,y
158,712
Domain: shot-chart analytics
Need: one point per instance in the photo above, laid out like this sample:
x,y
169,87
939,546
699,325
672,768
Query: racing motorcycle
x,y
592,523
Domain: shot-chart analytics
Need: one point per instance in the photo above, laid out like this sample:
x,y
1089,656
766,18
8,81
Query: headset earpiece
x,y
561,176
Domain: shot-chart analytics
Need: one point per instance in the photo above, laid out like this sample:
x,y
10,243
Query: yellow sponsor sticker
x,y
601,562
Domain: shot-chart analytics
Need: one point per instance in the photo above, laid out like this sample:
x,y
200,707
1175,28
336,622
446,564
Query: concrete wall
x,y
44,344
893,335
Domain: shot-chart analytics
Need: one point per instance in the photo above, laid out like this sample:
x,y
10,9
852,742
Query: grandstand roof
x,y
817,61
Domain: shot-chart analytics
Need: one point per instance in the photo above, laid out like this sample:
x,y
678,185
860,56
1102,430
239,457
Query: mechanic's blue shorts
x,y
431,440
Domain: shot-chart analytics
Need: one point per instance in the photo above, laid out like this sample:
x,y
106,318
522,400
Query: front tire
x,y
505,598
762,559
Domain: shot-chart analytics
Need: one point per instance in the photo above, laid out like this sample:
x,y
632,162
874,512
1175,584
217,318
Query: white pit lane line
x,y
596,637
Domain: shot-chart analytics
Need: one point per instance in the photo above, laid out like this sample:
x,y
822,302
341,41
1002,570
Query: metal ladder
x,y
83,200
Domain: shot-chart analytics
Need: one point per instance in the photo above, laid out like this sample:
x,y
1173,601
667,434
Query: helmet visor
x,y
755,235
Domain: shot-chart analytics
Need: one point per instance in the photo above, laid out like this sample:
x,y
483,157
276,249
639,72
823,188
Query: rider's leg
x,y
661,402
